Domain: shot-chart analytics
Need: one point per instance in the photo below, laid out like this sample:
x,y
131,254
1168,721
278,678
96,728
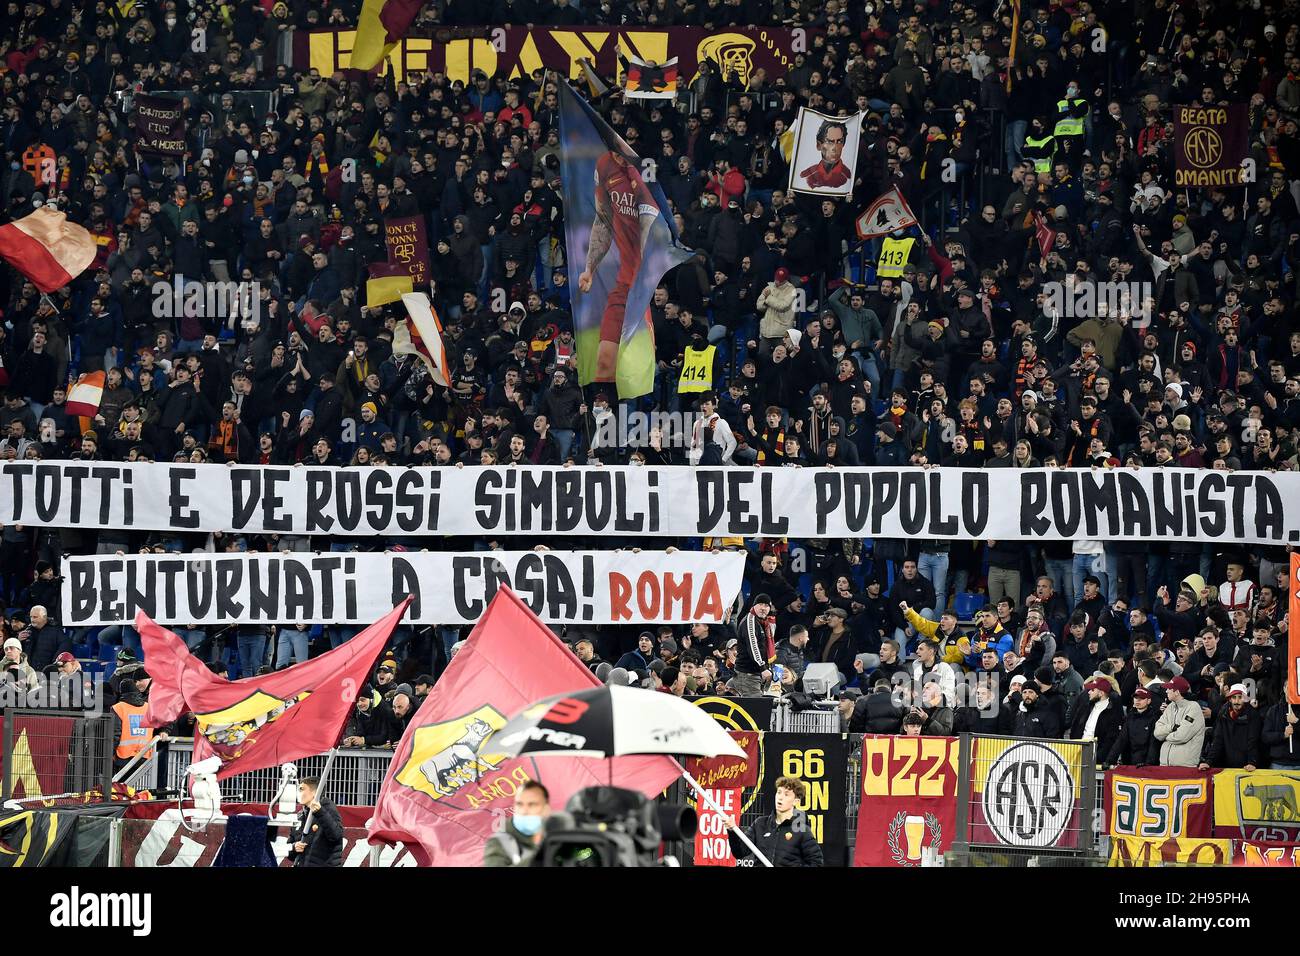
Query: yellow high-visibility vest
x,y
697,370
893,256
1068,125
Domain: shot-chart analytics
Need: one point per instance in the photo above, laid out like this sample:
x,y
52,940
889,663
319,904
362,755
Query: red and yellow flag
x,y
382,25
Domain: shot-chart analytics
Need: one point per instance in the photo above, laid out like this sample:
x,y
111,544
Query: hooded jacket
x,y
1236,738
1181,732
776,303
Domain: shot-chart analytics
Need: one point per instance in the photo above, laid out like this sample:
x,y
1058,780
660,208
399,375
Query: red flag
x,y
261,721
46,248
85,396
444,793
1045,235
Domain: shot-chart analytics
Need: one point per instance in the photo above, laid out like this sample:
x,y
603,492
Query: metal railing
x,y
353,781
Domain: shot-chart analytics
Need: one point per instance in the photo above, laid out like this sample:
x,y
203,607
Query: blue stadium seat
x,y
965,604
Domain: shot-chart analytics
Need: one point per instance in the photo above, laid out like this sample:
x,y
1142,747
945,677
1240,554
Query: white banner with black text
x,y
960,504
358,587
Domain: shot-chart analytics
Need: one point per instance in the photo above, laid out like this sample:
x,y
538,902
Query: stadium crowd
x,y
964,360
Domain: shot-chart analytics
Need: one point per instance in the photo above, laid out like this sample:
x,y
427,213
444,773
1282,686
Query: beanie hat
x,y
1043,675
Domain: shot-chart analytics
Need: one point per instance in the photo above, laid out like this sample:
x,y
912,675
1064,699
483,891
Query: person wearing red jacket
x,y
726,182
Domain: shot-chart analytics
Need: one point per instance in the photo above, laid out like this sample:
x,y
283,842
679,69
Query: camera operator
x,y
517,844
783,837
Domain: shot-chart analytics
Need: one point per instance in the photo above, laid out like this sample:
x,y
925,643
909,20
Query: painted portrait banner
x,y
825,153
518,51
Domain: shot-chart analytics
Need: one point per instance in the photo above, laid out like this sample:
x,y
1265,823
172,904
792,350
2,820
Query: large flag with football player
x,y
260,721
446,788
620,240
46,248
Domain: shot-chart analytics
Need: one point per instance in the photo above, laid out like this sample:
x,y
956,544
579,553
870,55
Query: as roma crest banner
x,y
1260,805
1209,145
908,799
1159,802
446,791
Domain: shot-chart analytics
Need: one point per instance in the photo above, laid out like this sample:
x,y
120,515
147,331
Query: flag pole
x,y
712,805
320,788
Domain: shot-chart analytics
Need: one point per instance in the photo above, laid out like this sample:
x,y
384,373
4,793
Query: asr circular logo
x,y
1028,796
1203,147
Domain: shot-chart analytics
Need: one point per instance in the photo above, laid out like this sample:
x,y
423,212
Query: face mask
x,y
248,179
527,823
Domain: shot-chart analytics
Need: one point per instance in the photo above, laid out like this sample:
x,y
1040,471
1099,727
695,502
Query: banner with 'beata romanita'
x,y
591,587
957,504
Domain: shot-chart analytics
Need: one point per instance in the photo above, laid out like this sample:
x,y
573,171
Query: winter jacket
x,y
1136,744
1272,735
1181,732
47,643
882,715
1236,738
784,844
509,847
1041,720
324,842
776,303
941,672
752,637
1109,724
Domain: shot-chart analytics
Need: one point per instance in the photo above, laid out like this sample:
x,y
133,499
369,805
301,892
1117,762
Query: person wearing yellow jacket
x,y
953,647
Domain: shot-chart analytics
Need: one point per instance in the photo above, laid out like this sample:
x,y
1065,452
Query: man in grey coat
x,y
1181,727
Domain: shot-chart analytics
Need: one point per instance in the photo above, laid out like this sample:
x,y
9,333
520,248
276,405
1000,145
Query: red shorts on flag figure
x,y
625,212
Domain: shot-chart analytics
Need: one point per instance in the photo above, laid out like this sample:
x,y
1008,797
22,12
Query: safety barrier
x,y
48,753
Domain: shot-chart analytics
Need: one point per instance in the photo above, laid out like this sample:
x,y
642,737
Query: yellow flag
x,y
787,145
387,289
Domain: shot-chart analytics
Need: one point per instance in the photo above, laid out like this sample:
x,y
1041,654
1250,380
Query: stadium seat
x,y
965,604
